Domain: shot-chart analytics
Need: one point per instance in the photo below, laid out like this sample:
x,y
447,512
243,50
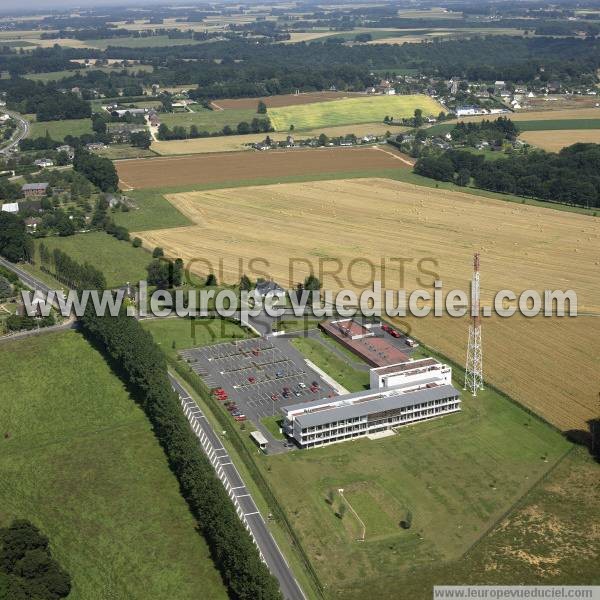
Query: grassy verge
x,y
273,425
352,379
82,463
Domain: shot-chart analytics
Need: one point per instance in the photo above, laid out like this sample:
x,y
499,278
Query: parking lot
x,y
259,375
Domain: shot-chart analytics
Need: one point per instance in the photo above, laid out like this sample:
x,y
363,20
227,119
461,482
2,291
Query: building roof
x,y
34,187
265,287
259,438
10,207
361,404
406,366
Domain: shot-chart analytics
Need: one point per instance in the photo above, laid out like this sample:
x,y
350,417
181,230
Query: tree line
x,y
570,177
181,133
143,366
79,276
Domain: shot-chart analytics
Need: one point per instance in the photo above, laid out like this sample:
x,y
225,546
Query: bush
x,y
136,242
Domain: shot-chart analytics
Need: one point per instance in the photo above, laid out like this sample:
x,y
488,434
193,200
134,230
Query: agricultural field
x,y
210,120
227,168
59,129
349,111
119,261
237,143
457,476
554,141
79,460
281,100
123,152
154,41
522,247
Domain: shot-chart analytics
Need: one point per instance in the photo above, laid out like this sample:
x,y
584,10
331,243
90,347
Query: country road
x,y
21,132
239,494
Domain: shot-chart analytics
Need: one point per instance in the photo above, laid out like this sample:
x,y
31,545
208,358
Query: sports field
x,y
349,111
252,166
522,247
456,475
81,462
553,141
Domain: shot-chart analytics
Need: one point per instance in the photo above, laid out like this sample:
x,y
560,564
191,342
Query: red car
x,y
274,397
385,327
240,417
394,333
255,351
314,389
252,379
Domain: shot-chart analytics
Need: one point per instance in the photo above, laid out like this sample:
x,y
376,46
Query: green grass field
x,y
59,129
335,366
350,111
457,475
187,333
536,125
82,463
154,41
119,261
58,75
209,120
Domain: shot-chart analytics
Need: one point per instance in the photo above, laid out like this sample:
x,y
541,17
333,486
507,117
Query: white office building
x,y
400,394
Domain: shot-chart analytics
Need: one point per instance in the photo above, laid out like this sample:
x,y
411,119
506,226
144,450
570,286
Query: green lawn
x,y
349,111
187,333
209,120
119,261
352,379
59,129
536,125
153,41
153,211
58,75
457,476
273,425
82,463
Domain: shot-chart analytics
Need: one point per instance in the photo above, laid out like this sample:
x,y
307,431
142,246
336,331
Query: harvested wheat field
x,y
249,166
553,141
238,143
548,364
282,100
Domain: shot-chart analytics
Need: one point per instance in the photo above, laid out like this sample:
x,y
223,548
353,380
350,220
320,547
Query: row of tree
x,y
181,133
571,176
68,271
15,243
144,368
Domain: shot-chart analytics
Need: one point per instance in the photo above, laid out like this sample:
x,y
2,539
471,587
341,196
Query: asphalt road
x,y
240,495
28,279
21,132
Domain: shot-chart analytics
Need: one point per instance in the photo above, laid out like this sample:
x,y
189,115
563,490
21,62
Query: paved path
x,y
240,496
21,132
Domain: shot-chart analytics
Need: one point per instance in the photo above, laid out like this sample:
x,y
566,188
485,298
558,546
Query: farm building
x,y
358,338
421,391
10,207
34,189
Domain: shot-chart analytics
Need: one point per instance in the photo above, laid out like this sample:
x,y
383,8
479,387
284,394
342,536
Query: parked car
x,y
302,385
314,389
252,379
385,327
297,393
411,343
279,374
315,383
286,391
274,397
394,333
240,417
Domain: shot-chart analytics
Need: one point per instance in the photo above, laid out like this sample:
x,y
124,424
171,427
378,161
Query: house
x,y
43,163
34,189
32,223
68,150
268,287
499,86
4,118
95,146
11,207
469,111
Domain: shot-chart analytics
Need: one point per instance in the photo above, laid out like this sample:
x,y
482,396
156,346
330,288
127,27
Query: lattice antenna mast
x,y
474,364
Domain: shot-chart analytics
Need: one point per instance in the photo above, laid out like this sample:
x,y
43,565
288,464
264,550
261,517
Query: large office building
x,y
400,394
